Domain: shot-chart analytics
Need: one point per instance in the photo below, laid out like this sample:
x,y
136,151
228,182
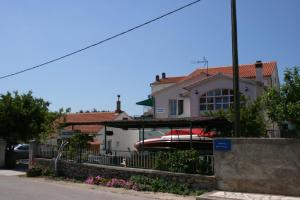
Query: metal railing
x,y
159,160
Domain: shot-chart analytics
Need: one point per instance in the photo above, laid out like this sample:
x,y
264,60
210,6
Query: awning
x,y
146,102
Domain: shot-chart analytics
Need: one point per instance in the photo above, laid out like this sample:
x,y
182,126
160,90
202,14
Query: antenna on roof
x,y
205,61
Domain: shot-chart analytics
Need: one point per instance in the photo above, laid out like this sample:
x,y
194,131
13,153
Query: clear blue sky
x,y
34,31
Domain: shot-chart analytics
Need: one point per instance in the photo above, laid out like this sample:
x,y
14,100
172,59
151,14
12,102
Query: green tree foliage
x,y
24,117
252,119
284,105
77,144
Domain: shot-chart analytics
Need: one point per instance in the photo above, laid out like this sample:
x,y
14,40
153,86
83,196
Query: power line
x,y
102,41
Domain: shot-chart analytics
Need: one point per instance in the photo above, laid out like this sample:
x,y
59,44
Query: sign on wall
x,y
160,110
222,144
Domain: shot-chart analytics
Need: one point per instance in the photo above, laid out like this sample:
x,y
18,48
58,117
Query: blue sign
x,y
222,144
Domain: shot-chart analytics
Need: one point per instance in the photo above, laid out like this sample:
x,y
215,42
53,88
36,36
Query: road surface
x,y
22,188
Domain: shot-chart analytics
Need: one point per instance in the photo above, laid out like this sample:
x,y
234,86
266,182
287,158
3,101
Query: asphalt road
x,y
16,188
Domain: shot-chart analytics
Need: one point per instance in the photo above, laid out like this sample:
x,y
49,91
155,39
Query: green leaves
x,y
284,105
24,117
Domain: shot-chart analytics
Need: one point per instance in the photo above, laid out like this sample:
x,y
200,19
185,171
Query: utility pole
x,y
235,65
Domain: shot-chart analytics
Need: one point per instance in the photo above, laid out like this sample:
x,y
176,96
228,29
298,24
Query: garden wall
x,y
82,171
259,166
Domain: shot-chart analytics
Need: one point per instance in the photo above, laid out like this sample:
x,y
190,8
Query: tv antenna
x,y
205,61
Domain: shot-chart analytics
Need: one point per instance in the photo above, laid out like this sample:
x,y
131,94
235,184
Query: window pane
x,y
210,106
225,106
218,92
202,107
218,106
224,91
210,99
180,107
231,98
218,100
203,100
231,92
172,106
210,93
225,100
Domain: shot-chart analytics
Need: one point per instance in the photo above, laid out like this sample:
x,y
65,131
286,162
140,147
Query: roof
x,y
245,71
146,102
204,122
167,80
74,118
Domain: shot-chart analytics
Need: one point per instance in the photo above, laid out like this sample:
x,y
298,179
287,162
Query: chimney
x,y
259,71
163,75
118,110
157,78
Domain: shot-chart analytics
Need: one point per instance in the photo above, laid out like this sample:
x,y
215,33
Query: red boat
x,y
179,139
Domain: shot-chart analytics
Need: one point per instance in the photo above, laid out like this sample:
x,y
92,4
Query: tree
x,y
283,106
77,143
252,119
22,118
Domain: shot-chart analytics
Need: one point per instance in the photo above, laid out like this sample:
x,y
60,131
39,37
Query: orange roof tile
x,y
89,117
245,70
169,80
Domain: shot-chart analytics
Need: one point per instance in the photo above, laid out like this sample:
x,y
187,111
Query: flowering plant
x,y
114,182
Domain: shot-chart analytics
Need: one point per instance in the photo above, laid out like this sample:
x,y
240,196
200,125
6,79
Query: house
x,y
209,89
86,123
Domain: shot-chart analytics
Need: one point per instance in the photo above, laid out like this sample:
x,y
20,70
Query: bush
x,y
34,172
39,171
143,183
159,185
183,161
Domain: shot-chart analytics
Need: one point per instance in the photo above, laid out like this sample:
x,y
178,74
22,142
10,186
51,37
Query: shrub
x,y
159,185
39,171
183,161
34,172
143,183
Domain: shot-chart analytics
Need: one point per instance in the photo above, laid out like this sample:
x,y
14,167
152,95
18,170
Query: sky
x,y
35,31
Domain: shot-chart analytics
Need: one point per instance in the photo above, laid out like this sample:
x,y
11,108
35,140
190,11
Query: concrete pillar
x,y
2,153
33,150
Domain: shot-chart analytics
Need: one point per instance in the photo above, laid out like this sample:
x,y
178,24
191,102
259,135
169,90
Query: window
x,y
216,100
176,107
172,107
180,107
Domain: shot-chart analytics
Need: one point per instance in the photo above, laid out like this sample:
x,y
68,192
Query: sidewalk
x,y
221,195
6,172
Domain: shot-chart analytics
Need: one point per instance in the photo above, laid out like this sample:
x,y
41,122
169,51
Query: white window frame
x,y
215,100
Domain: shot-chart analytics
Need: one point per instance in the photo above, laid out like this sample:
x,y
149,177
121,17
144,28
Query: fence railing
x,y
159,160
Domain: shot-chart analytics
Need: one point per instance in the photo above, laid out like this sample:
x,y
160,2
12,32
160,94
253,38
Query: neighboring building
x,y
117,139
209,89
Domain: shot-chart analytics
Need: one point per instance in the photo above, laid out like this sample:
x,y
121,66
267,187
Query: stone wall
x,y
2,153
82,171
259,166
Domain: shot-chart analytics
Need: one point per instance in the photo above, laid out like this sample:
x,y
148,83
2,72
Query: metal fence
x,y
160,160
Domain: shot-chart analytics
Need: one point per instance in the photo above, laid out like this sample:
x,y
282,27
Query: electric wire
x,y
100,42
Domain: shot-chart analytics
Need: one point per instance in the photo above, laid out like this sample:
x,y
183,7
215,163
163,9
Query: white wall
x,y
191,101
2,153
173,92
222,82
157,87
121,140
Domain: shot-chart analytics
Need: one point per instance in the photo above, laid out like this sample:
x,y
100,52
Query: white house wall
x,y
157,87
173,92
220,83
121,140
